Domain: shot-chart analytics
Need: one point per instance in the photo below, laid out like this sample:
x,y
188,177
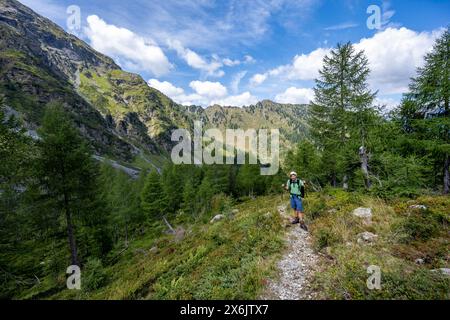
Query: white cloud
x,y
166,87
237,80
303,67
129,50
258,78
205,93
342,26
296,96
388,103
249,59
306,66
231,63
218,26
394,55
194,60
240,100
209,89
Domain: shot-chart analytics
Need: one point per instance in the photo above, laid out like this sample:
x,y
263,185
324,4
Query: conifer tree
x,y
425,113
68,175
340,111
153,197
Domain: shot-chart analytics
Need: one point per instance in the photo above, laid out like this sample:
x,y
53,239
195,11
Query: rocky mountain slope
x,y
117,111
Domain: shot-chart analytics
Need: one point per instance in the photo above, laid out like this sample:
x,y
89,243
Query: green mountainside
x,y
80,140
119,113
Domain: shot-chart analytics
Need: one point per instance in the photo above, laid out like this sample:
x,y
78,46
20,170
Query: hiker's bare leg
x,y
295,214
301,215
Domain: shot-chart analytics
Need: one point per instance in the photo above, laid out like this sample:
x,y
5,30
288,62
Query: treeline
x,y
60,206
358,146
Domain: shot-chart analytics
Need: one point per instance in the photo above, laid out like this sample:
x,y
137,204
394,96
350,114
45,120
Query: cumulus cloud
x,y
258,78
194,60
249,59
295,96
240,100
236,80
205,93
393,53
209,89
130,50
166,87
303,67
231,63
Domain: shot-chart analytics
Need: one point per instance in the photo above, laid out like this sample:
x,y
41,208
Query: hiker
x,y
296,188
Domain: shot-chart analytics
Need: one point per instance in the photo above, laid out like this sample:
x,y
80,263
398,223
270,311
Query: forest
x,y
59,206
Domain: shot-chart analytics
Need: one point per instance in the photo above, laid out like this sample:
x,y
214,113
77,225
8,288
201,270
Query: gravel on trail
x,y
296,267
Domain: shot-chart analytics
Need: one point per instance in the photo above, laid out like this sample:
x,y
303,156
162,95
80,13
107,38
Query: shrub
x,y
325,238
420,225
93,276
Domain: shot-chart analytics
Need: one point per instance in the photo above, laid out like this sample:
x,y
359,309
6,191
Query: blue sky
x,y
240,51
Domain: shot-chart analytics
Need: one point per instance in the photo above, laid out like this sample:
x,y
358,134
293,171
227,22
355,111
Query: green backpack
x,y
302,187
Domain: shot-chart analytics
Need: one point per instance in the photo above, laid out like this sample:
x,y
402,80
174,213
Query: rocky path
x,y
296,266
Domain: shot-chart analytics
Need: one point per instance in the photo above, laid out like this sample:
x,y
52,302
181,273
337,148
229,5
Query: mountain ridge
x,y
120,114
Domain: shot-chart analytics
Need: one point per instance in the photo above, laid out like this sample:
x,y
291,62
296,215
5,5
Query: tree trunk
x,y
345,182
126,234
365,166
72,243
333,180
446,174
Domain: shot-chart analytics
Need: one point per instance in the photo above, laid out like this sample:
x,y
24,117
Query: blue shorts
x,y
296,203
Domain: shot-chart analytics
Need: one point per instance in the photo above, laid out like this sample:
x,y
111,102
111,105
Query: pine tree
x,y
68,175
153,197
341,108
205,193
189,193
425,113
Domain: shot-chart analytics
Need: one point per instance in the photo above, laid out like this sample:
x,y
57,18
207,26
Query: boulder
x,y
179,234
367,238
153,249
235,211
217,217
418,207
444,271
365,214
419,261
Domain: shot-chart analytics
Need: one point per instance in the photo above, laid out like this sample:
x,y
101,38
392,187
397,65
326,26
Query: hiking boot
x,y
303,226
295,221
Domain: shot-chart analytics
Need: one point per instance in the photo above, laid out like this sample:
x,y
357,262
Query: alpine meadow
x,y
233,172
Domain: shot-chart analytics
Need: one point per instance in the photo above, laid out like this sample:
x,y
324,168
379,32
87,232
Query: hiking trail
x,y
296,266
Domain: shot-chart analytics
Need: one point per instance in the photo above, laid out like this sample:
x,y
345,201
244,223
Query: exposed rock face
x,y
117,111
38,62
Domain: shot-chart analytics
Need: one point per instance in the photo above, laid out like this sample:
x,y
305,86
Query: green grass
x,y
230,259
233,258
404,235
